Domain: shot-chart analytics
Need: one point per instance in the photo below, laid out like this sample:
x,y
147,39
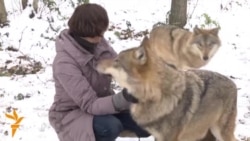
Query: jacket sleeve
x,y
78,88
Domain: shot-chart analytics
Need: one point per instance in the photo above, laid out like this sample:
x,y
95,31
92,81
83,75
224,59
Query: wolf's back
x,y
218,84
207,75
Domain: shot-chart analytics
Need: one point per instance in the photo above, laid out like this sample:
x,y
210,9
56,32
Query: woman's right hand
x,y
129,97
122,100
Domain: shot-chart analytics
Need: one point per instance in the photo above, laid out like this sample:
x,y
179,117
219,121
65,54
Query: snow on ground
x,y
34,38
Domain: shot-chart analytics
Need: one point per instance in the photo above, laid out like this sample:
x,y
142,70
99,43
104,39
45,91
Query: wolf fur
x,y
185,49
174,105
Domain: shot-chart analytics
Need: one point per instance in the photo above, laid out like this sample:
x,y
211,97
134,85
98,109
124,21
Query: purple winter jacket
x,y
81,91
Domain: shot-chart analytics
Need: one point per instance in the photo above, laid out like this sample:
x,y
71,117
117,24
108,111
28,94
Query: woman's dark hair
x,y
88,20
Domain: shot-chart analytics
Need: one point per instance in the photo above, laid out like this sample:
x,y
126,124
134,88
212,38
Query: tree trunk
x,y
178,13
35,5
24,3
3,13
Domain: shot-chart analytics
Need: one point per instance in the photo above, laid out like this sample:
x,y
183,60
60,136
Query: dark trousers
x,y
108,127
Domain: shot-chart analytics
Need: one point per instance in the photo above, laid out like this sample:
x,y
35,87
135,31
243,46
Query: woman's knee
x,y
107,126
131,125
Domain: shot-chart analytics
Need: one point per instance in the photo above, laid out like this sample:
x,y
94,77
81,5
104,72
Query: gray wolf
x,y
174,105
183,48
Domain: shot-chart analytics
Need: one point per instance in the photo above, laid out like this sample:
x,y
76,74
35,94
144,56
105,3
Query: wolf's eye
x,y
116,62
211,44
198,44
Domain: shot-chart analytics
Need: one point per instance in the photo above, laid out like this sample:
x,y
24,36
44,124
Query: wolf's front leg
x,y
209,137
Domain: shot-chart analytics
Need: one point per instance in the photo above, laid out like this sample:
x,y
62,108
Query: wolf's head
x,y
131,69
127,65
205,42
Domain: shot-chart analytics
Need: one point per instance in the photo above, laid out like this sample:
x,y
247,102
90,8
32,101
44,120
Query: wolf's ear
x,y
196,30
145,42
140,55
215,31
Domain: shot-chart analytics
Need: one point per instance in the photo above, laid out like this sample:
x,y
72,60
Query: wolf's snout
x,y
100,67
205,58
103,65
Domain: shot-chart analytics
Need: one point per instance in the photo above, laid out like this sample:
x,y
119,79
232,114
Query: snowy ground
x,y
32,94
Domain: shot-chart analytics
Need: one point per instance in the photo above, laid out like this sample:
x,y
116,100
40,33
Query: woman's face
x,y
96,39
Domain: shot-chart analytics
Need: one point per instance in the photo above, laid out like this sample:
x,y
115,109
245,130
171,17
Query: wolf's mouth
x,y
109,75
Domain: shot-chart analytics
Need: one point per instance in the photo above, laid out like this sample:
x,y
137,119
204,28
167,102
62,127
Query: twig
x,y
193,9
42,9
20,40
44,83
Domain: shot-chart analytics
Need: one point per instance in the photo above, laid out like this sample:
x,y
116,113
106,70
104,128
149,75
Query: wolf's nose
x,y
205,58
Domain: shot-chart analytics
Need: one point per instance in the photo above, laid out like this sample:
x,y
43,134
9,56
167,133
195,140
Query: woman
x,y
85,107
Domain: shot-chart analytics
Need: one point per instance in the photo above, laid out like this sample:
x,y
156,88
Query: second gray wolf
x,y
183,48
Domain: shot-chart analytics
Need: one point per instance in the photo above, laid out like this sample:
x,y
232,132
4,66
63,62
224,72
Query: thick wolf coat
x,y
185,49
175,105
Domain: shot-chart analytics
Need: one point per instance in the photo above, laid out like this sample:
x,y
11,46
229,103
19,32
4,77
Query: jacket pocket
x,y
69,117
54,120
